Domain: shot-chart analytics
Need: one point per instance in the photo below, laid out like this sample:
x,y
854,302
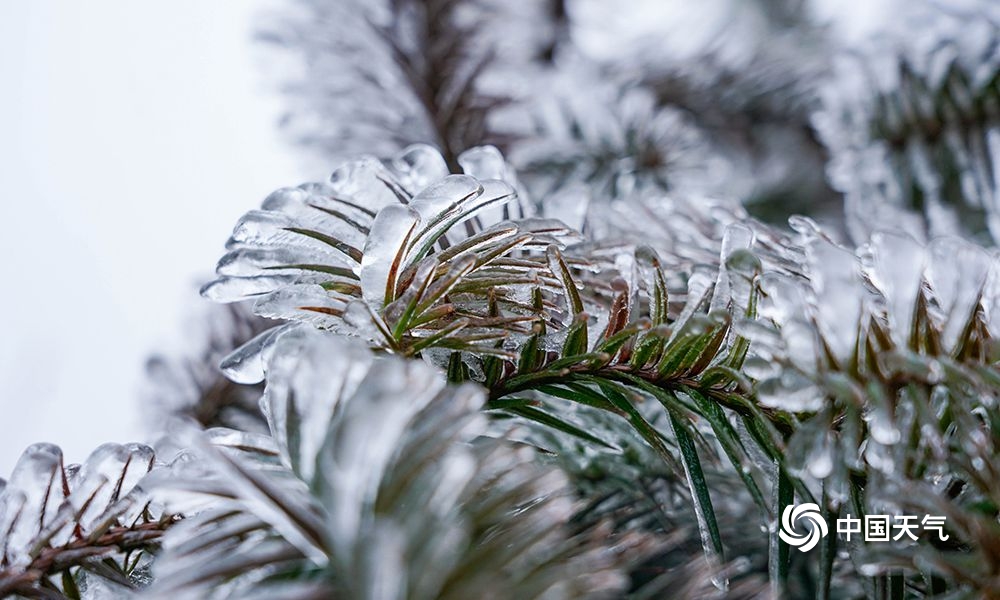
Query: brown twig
x,y
27,580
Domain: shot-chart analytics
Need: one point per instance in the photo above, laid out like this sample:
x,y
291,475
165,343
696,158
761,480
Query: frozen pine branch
x,y
66,528
604,378
505,308
745,74
785,355
379,76
383,484
911,124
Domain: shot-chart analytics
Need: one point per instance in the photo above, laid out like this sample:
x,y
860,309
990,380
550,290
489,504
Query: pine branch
x,y
94,519
753,363
725,117
914,117
506,302
384,480
884,405
426,64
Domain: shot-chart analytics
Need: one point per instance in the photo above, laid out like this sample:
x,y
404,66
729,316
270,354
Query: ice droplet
x,y
881,427
811,449
790,391
485,162
246,364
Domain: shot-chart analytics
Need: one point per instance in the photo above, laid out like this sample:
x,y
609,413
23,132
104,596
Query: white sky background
x,y
132,136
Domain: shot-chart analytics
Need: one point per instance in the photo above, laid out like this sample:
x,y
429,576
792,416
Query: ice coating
x,y
418,166
304,389
835,278
384,252
956,272
45,504
32,498
898,271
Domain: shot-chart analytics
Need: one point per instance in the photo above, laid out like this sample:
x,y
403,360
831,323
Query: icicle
x,y
738,237
811,450
783,301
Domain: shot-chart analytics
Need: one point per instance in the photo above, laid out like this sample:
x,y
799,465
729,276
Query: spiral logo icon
x,y
816,531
